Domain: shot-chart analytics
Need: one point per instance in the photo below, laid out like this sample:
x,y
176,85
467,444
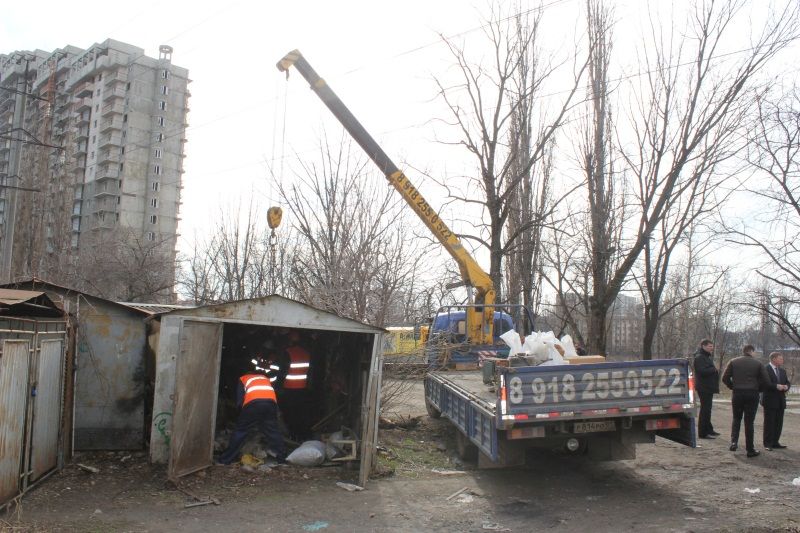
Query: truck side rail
x,y
474,416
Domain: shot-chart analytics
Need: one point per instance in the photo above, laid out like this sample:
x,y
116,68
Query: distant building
x,y
91,152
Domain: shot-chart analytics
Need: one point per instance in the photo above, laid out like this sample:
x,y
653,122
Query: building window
x,y
159,137
124,118
153,202
124,134
95,123
160,121
94,138
116,216
128,86
164,90
120,167
157,153
96,109
165,74
92,155
151,236
122,151
155,186
157,170
153,219
162,105
119,200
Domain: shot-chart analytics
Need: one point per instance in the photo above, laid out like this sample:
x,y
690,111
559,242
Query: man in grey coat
x,y
746,377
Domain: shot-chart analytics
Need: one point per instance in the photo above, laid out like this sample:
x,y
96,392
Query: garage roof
x,y
275,310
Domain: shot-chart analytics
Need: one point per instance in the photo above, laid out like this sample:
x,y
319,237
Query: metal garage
x,y
33,337
199,347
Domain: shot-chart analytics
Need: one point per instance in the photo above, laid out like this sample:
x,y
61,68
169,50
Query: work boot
x,y
733,447
753,453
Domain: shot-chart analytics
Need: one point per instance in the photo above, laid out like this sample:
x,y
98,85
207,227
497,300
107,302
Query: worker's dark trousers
x,y
744,402
704,426
262,415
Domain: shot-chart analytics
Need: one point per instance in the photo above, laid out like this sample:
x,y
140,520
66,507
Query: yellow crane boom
x,y
480,318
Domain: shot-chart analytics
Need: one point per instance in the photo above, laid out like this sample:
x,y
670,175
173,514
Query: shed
x,y
202,352
110,368
33,381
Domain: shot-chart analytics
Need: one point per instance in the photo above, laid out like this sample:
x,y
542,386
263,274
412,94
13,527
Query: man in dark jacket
x,y
706,386
746,376
774,402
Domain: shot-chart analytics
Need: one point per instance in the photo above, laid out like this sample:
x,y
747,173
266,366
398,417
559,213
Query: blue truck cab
x,y
447,339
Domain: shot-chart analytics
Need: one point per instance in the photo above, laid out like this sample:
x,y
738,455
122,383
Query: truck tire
x,y
465,449
433,412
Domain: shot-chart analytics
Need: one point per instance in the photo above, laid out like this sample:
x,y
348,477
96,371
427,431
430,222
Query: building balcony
x,y
81,104
102,194
120,76
107,173
80,148
114,123
111,108
82,119
83,89
110,140
58,131
108,156
82,133
114,92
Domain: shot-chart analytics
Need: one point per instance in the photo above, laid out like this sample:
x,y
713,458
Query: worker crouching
x,y
259,409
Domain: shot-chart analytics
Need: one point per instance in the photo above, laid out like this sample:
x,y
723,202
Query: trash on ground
x,y
442,472
349,486
752,491
310,453
90,469
796,482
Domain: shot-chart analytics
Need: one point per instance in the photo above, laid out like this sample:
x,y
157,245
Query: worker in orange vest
x,y
296,397
256,397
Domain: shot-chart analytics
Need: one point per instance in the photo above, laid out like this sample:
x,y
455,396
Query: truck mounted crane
x,y
480,317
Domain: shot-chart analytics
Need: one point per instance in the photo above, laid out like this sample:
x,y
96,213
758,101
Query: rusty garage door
x,y
47,408
13,403
196,382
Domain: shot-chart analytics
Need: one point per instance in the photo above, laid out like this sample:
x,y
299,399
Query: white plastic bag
x,y
569,346
511,338
310,453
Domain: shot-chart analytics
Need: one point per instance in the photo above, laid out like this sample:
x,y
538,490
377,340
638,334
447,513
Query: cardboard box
x,y
585,359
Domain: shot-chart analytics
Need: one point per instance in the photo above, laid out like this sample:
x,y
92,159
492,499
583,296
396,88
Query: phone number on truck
x,y
597,385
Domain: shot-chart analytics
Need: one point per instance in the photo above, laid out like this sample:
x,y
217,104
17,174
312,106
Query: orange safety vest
x,y
299,364
257,387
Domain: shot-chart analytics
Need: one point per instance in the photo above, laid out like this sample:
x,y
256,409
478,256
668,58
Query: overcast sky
x,y
378,56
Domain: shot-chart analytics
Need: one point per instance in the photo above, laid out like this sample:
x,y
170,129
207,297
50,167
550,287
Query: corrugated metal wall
x,y
32,382
47,408
13,399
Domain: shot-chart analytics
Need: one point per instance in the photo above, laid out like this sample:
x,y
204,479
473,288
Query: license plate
x,y
593,427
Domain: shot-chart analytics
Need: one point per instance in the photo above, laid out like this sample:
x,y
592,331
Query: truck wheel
x,y
433,412
465,449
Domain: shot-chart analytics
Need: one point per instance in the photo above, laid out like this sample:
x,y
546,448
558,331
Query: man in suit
x,y
774,402
706,386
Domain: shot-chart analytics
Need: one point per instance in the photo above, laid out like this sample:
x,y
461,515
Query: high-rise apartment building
x,y
91,163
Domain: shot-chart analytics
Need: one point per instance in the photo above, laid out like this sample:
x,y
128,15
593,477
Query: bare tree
x,y
355,254
234,262
120,264
685,115
775,153
507,132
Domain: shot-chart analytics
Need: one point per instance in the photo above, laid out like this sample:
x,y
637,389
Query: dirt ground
x,y
667,488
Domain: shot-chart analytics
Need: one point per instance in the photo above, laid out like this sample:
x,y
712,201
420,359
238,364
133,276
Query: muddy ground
x,y
667,488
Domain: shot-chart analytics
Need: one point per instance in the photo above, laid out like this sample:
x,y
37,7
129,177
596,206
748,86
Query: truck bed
x,y
574,395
